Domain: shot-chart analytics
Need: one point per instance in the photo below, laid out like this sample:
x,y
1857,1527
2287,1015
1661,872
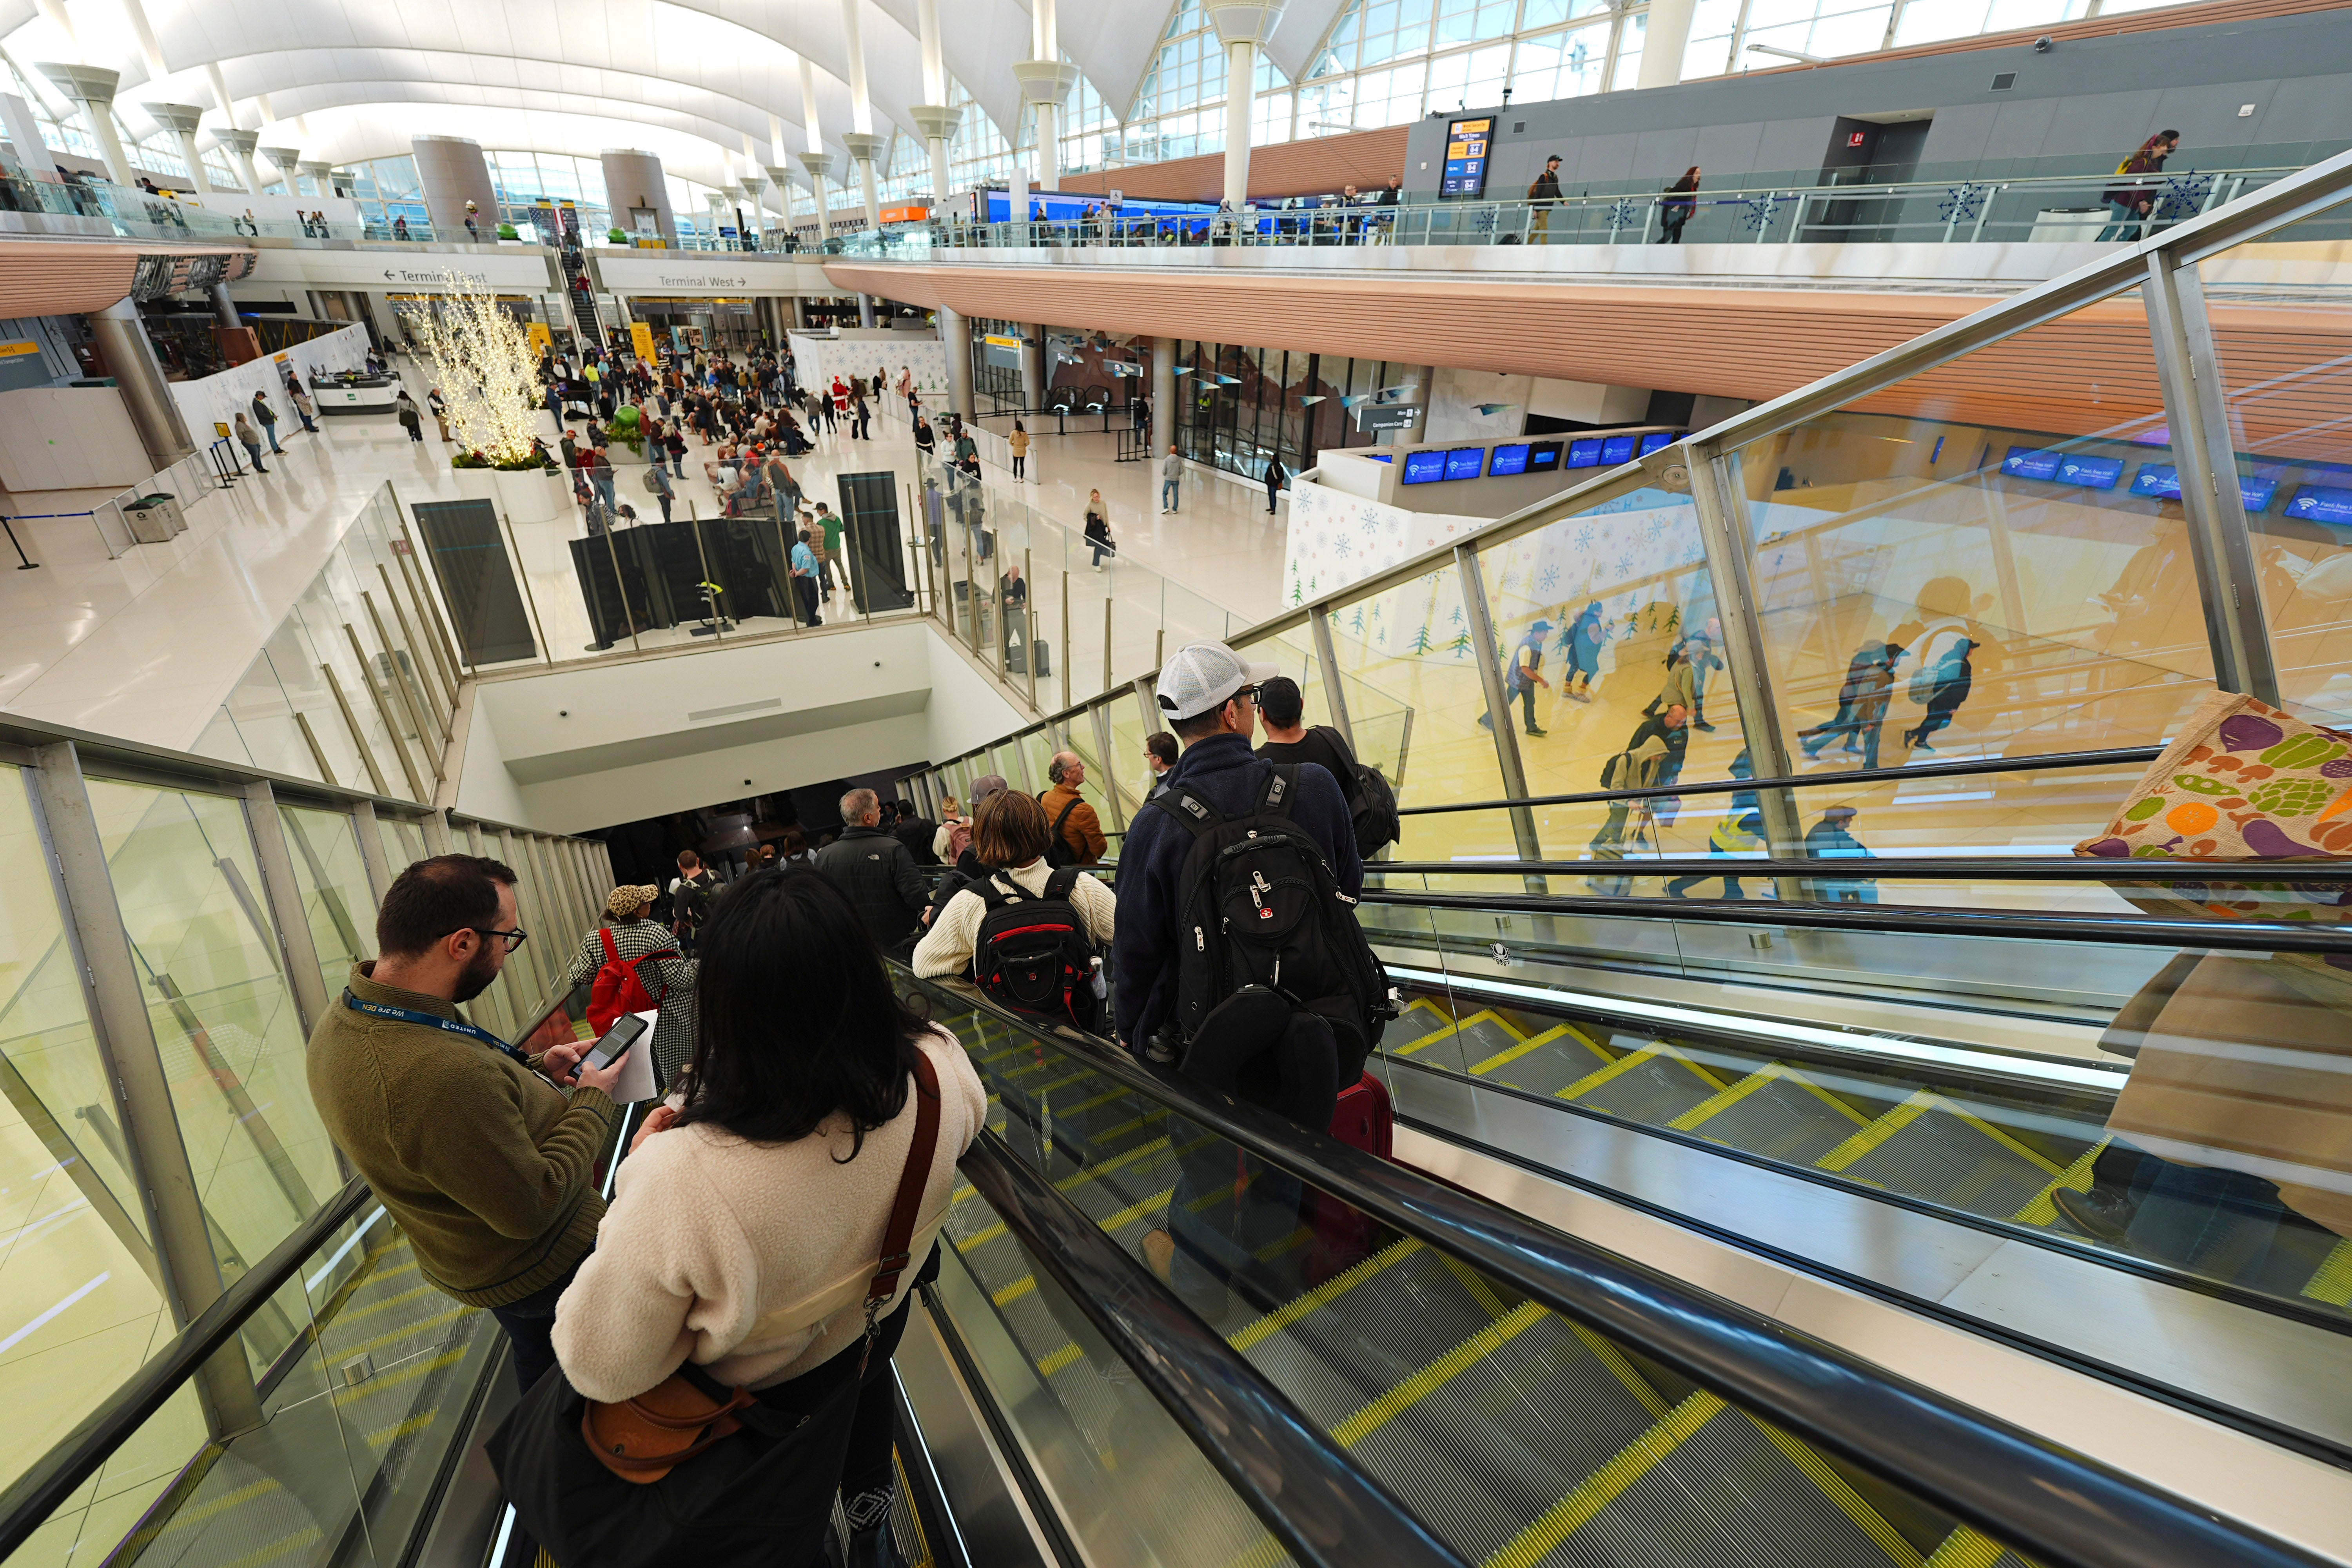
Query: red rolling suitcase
x,y
1343,1237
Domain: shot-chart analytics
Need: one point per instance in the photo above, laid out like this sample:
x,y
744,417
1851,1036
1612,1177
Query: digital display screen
x,y
1421,468
1508,460
1584,454
2161,481
2030,463
1465,462
2322,503
2091,473
1467,142
1617,449
1656,441
1543,456
1381,456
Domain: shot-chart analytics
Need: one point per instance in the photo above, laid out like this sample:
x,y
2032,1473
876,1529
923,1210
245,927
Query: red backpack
x,y
617,990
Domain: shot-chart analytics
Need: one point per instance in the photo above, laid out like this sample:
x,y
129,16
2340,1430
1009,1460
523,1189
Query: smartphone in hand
x,y
615,1043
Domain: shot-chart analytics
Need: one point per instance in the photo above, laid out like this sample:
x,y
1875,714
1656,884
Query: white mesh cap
x,y
1199,677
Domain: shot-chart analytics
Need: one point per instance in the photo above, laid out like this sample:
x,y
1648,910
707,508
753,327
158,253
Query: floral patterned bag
x,y
2243,783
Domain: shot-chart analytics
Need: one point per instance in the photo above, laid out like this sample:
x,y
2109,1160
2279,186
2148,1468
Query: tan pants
x,y
1540,228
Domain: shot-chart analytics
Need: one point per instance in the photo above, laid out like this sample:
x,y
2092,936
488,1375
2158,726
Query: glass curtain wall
x,y
1236,406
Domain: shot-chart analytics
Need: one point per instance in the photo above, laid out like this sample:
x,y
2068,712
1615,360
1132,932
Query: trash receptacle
x,y
153,519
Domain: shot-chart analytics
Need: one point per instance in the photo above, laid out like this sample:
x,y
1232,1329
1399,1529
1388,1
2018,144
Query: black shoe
x,y
1703,724
1539,734
2102,1213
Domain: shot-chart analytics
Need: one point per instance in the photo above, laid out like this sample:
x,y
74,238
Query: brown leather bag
x,y
644,1439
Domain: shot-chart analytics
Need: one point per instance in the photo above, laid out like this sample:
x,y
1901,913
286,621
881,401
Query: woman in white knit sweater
x,y
1010,835
746,1217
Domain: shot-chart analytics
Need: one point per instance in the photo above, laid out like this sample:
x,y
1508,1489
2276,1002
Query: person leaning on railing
x,y
470,1145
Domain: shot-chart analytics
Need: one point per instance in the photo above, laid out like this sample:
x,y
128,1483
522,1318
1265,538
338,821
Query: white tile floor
x,y
148,646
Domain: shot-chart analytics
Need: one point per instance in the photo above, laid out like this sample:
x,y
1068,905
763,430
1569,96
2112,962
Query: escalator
x,y
1388,1369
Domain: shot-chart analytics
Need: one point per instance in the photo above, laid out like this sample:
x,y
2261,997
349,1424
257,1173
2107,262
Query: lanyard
x,y
432,1021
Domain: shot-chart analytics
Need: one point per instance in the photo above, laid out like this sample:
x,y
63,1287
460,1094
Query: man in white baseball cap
x,y
1208,698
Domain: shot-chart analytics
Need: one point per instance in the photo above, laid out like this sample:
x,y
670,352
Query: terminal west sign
x,y
655,274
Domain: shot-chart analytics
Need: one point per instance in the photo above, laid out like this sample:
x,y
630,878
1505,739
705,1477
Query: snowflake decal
x,y
1963,202
1626,565
1624,214
1549,579
2183,196
1371,528
1758,212
1584,537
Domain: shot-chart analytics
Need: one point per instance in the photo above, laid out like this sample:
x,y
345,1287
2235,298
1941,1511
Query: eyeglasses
x,y
514,938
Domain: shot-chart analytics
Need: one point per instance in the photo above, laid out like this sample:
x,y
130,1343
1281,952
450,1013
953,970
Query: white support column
x,y
180,119
284,159
932,117
91,88
1045,86
939,126
817,163
1163,398
867,147
240,144
781,178
1242,27
864,145
1664,40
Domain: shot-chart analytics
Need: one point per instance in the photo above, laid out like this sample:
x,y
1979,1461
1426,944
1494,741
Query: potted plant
x,y
508,231
617,235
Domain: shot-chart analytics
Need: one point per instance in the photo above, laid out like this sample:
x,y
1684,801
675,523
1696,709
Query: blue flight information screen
x,y
1506,460
1617,449
1584,454
2322,503
1421,468
2091,473
1656,441
1465,462
1467,142
1543,456
2161,481
2030,463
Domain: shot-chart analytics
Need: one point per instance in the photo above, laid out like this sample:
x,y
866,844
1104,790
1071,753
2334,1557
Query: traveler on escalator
x,y
1179,997
1009,839
471,1147
742,1239
954,846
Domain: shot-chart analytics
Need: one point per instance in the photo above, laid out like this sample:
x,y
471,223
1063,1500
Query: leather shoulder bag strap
x,y
907,1208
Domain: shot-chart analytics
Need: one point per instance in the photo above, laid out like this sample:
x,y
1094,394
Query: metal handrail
x,y
1317,1500
2255,936
2056,1506
2117,757
1892,868
52,1479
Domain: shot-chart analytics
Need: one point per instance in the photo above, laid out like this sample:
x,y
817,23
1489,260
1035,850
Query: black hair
x,y
1280,700
1200,724
433,898
771,1068
1161,744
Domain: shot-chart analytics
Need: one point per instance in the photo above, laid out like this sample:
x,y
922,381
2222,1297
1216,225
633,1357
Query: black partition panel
x,y
652,575
477,580
870,517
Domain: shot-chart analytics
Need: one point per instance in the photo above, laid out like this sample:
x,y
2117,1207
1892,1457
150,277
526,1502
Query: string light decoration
x,y
487,371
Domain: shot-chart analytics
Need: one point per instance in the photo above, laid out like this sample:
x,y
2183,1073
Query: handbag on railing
x,y
693,1471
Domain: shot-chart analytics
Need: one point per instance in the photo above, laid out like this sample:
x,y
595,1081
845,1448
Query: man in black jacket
x,y
875,872
1541,196
916,831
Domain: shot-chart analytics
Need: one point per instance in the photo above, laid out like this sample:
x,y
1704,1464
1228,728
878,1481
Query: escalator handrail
x,y
2060,1508
2038,763
50,1482
1306,1488
2258,936
1891,868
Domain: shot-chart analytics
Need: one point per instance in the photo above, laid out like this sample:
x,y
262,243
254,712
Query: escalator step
x,y
1545,1063
1652,1087
1477,1038
1930,1148
1706,1486
1489,1435
1776,1113
1358,1335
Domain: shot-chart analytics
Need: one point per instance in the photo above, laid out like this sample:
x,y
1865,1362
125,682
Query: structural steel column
x,y
1482,648
240,145
125,1033
1163,401
1720,502
1033,369
181,121
2221,539
957,337
146,397
1334,690
380,869
91,88
1664,39
297,947
1243,28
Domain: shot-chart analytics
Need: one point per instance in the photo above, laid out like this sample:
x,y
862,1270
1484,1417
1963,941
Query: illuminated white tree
x,y
486,368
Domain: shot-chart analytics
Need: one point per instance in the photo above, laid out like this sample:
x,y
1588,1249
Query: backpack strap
x,y
612,954
1061,883
1073,805
1274,795
1198,816
991,893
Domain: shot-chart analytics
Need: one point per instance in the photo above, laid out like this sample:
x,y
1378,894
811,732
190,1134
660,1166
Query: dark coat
x,y
879,878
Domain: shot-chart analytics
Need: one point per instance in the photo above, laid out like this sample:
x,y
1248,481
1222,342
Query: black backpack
x,y
1258,907
1371,803
1058,852
1033,954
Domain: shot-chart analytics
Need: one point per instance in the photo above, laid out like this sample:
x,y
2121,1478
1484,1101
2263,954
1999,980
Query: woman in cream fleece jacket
x,y
748,1221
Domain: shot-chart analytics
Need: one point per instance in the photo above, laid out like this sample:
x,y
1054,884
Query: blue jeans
x,y
529,1324
604,483
271,431
2128,224
1168,494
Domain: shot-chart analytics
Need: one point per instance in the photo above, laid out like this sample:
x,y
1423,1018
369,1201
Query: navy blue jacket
x,y
1223,771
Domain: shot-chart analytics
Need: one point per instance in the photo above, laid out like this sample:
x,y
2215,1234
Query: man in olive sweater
x,y
484,1163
